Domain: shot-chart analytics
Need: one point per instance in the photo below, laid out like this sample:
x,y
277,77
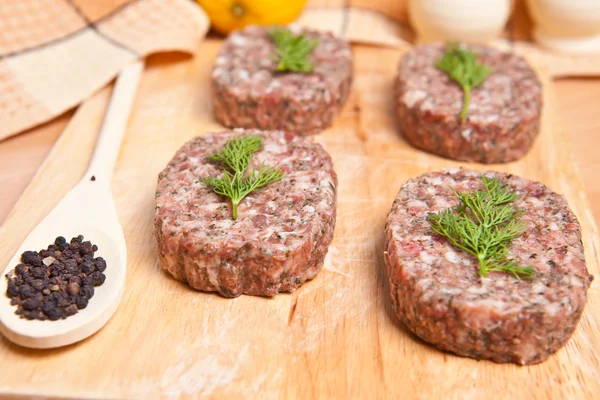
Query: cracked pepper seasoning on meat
x,y
249,89
441,294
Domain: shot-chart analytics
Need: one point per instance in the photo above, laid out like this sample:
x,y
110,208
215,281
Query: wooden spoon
x,y
87,209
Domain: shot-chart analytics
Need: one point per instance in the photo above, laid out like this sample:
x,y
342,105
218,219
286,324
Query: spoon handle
x,y
114,124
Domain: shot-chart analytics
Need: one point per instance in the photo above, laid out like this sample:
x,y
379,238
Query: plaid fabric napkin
x,y
55,53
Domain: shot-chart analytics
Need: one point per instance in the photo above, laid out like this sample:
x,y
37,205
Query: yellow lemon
x,y
229,15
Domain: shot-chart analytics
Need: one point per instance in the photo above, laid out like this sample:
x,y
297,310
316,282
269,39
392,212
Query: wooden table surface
x,y
336,337
578,99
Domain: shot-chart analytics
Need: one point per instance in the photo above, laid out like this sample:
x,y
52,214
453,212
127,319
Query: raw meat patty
x,y
248,92
504,112
438,294
282,233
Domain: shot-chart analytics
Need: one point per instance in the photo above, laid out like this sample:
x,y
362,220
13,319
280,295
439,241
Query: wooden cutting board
x,y
336,337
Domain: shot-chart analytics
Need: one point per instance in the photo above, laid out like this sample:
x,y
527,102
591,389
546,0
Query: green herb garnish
x,y
293,50
236,183
463,68
484,224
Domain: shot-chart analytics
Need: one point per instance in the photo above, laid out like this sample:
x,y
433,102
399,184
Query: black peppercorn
x,y
38,272
54,313
75,279
89,281
12,290
88,267
27,292
46,253
82,302
72,309
21,268
29,256
73,288
99,278
87,291
57,281
100,264
31,303
37,284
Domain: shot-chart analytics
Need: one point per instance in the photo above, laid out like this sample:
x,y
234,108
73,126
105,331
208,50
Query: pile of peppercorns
x,y
57,282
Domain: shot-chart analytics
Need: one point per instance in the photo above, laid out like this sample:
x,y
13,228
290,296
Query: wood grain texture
x,y
336,336
578,103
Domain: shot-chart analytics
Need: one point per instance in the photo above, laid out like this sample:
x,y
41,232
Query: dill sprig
x,y
237,153
292,51
462,67
484,224
236,183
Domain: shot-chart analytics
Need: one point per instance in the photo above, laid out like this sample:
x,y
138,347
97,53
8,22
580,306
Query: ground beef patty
x,y
282,232
248,92
438,294
504,112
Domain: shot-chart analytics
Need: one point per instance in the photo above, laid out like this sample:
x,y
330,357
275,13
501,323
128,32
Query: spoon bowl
x,y
89,210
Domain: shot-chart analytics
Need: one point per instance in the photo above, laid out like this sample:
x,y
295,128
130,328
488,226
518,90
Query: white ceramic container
x,y
459,20
567,25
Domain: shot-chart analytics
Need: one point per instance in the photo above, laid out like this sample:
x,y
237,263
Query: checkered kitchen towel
x,y
55,53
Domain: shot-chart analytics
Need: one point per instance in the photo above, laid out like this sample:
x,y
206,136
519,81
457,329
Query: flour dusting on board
x,y
208,374
205,377
328,263
211,363
335,296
